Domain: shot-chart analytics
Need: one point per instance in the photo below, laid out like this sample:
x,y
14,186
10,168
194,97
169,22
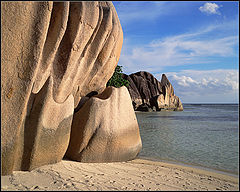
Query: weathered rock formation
x,y
105,129
148,94
53,54
168,100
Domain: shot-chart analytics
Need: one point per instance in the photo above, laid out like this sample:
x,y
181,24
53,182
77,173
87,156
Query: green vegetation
x,y
116,80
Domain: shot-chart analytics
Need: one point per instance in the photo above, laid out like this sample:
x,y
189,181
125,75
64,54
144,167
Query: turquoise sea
x,y
205,135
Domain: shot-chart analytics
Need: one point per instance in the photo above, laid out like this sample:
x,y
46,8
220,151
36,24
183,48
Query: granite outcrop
x,y
105,129
53,55
149,94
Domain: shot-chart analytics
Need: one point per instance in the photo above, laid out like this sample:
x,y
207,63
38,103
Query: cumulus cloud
x,y
224,79
196,85
210,8
184,81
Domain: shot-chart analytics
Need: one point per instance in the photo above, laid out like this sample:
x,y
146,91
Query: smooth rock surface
x,y
53,54
105,129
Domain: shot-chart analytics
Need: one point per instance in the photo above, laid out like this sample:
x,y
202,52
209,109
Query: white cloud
x,y
210,8
198,86
188,48
183,81
222,46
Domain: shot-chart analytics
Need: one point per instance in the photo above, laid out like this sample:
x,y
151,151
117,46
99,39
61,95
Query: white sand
x,y
137,174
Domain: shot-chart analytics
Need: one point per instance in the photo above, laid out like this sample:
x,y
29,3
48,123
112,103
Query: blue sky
x,y
195,43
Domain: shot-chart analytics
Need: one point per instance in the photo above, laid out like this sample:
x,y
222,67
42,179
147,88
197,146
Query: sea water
x,y
205,135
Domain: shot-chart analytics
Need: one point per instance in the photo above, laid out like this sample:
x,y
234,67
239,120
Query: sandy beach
x,y
138,174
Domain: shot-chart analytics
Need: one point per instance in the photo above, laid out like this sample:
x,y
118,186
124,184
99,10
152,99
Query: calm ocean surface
x,y
205,135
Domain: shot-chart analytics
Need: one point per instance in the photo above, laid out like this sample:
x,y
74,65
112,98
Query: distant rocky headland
x,y
148,94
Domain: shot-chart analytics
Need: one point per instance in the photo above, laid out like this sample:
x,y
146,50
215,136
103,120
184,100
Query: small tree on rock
x,y
116,80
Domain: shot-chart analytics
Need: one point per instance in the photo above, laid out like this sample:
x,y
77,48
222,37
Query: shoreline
x,y
194,168
210,169
137,174
208,164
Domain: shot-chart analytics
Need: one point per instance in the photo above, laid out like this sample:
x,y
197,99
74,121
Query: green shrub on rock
x,y
116,80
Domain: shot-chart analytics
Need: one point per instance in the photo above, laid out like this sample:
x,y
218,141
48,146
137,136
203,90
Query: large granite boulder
x,y
52,55
143,86
148,94
105,129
